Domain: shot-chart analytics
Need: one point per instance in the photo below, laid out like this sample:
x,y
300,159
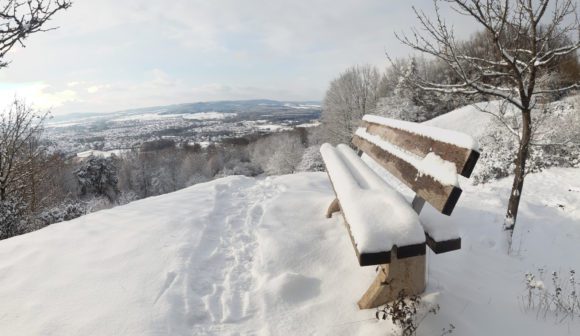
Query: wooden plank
x,y
332,208
443,245
401,275
463,158
383,257
441,197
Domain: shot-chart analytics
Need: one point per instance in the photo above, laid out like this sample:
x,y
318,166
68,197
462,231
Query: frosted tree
x,y
21,18
350,96
12,212
97,176
18,20
278,154
19,125
403,102
311,160
286,156
525,40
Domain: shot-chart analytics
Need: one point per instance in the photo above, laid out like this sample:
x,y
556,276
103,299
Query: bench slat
x,y
418,144
444,245
353,182
441,197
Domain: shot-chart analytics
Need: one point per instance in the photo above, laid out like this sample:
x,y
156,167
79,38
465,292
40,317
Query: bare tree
x,y
21,18
526,38
350,96
19,126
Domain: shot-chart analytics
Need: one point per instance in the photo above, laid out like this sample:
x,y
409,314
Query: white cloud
x,y
97,88
40,95
109,55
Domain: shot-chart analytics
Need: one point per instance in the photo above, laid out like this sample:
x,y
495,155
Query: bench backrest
x,y
426,159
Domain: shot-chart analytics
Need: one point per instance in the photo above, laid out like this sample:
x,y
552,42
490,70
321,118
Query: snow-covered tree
x,y
403,102
286,157
525,41
97,176
69,209
278,154
191,169
21,18
401,108
350,96
19,125
311,160
12,217
556,138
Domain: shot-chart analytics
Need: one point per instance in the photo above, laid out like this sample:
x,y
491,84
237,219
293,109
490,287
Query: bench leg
x,y
408,275
334,207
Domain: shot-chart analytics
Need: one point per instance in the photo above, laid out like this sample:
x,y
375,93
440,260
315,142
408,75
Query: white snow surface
x,y
190,116
256,256
467,119
459,139
432,165
106,154
209,115
365,198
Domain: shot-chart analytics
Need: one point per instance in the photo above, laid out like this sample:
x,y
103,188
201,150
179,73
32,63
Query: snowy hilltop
x,y
256,256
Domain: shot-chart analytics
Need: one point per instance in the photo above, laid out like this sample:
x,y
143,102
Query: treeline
x,y
43,188
397,92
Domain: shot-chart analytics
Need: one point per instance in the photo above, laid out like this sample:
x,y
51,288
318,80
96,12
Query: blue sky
x,y
111,55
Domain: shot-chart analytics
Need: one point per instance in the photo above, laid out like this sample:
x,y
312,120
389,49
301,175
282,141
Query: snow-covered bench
x,y
384,228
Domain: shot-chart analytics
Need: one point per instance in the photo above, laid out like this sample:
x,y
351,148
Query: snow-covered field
x,y
245,256
94,152
189,116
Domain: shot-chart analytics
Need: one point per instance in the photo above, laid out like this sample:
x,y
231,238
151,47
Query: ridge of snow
x,y
431,165
439,134
365,198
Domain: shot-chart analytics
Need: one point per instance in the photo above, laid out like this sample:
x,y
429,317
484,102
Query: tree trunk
x,y
520,172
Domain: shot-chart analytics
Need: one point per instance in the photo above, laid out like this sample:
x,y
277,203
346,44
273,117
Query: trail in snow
x,y
218,280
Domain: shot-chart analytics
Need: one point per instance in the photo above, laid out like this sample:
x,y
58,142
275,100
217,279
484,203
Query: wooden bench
x,y
384,228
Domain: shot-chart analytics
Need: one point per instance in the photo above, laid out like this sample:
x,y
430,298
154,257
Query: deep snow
x,y
244,256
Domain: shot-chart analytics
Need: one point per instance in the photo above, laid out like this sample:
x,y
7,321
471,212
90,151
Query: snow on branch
x,y
20,18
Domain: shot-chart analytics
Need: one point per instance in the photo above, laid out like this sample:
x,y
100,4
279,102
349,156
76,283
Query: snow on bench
x,y
365,198
426,165
384,229
432,164
452,146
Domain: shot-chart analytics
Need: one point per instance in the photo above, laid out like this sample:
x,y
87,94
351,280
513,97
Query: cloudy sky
x,y
111,55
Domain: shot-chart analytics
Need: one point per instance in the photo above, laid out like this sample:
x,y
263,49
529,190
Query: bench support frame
x,y
406,276
332,208
401,276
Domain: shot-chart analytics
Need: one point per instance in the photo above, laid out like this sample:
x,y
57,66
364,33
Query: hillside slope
x,y
468,119
244,256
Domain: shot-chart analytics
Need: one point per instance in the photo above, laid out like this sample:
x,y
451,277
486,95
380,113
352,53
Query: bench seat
x,y
377,216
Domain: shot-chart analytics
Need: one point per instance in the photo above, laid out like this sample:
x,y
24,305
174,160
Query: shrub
x,y
558,298
556,143
407,313
13,217
70,209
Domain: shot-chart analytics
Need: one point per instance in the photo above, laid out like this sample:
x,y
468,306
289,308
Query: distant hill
x,y
223,106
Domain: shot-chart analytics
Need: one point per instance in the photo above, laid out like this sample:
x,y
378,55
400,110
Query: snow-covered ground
x,y
189,116
245,256
106,154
